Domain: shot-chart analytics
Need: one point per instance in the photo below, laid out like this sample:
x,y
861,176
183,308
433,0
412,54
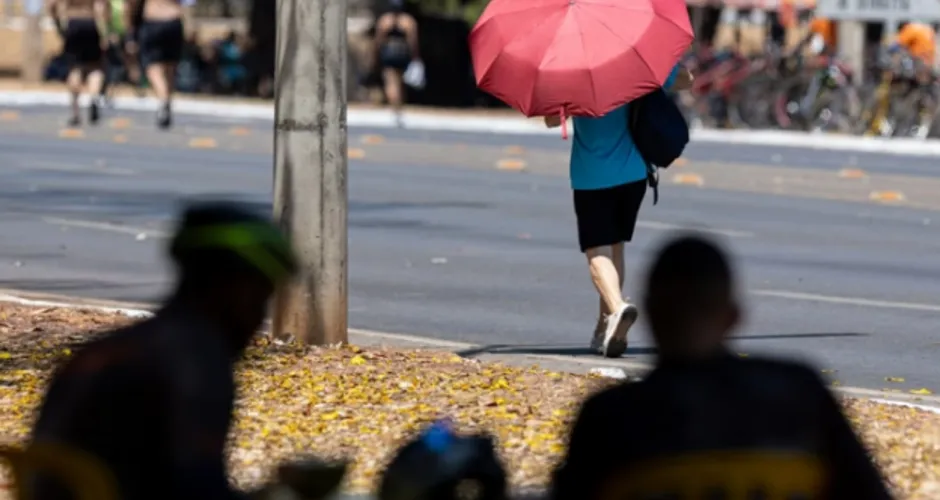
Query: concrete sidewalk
x,y
463,121
14,85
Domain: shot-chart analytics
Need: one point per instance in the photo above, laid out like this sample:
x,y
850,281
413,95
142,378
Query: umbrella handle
x,y
564,125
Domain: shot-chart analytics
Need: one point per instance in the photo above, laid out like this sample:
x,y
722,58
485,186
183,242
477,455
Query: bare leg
x,y
160,76
606,277
394,90
170,81
617,259
74,84
612,340
96,81
156,74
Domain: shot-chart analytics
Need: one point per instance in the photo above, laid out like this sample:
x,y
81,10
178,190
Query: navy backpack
x,y
659,131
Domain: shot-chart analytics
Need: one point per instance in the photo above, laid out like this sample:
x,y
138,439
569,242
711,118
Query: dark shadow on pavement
x,y
545,350
799,336
580,350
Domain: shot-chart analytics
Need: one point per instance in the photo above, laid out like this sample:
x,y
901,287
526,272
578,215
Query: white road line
x,y
106,226
664,226
780,294
854,301
151,233
65,167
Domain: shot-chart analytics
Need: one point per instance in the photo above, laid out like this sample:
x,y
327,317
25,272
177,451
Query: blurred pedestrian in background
x,y
84,27
156,30
396,43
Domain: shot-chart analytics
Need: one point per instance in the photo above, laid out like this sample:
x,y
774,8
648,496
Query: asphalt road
x,y
446,243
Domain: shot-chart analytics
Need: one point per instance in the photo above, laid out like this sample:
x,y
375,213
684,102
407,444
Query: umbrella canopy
x,y
577,57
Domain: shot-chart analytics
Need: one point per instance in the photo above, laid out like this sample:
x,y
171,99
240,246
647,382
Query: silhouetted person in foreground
x,y
153,402
706,423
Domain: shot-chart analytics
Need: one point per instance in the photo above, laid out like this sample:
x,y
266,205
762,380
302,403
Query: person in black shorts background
x,y
157,30
608,177
396,45
85,39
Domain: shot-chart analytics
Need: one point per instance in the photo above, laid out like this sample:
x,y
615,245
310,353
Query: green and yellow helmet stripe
x,y
262,246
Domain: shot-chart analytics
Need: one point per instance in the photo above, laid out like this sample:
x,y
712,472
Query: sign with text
x,y
879,10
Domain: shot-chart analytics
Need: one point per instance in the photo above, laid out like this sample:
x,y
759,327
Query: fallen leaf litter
x,y
347,402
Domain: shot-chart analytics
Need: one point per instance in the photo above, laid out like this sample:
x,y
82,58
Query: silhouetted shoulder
x,y
626,390
126,346
782,374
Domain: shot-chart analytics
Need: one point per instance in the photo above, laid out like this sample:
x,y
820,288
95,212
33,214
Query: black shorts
x,y
83,42
395,55
608,216
161,42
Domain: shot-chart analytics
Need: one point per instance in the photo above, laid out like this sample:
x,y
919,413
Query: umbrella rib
x,y
633,48
521,9
519,35
655,14
590,76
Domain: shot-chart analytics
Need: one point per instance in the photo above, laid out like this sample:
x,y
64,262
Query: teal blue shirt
x,y
603,154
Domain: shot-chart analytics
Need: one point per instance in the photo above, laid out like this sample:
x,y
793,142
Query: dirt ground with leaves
x,y
361,404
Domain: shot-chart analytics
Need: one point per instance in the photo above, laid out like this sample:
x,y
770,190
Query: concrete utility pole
x,y
31,43
310,166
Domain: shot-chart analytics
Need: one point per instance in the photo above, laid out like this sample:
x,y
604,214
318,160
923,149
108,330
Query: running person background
x,y
396,43
156,31
84,26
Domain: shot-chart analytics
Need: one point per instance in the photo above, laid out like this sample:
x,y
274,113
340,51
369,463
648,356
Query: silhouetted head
x,y
229,261
690,299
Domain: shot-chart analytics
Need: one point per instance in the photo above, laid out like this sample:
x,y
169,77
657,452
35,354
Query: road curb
x,y
142,310
456,122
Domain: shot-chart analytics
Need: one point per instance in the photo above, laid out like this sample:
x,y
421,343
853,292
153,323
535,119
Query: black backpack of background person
x,y
659,131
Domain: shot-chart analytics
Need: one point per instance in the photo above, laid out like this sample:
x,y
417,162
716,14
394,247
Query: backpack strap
x,y
652,180
652,175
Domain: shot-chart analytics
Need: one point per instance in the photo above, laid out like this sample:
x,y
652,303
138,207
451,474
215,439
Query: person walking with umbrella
x,y
609,180
589,60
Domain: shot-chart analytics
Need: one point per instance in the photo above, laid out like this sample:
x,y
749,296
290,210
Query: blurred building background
x,y
248,28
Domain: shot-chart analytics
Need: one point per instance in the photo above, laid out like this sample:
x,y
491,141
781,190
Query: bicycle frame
x,y
883,100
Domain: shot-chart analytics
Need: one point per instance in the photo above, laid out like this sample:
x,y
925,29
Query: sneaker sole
x,y
617,345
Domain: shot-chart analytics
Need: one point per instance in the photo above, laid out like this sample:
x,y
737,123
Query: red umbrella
x,y
577,57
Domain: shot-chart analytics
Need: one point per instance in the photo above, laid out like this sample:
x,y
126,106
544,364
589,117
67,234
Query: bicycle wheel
x,y
907,116
749,105
787,108
836,110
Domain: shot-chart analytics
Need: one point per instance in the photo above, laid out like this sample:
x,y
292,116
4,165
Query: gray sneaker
x,y
616,330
